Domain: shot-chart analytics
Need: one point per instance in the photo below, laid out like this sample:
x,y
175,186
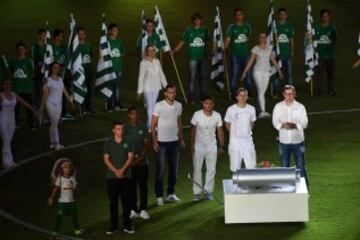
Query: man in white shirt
x,y
167,120
239,120
290,119
205,123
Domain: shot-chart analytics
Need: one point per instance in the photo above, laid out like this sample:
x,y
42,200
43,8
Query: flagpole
x,y
178,77
227,76
311,87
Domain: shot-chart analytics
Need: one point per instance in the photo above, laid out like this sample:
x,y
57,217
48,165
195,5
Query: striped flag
x,y
49,54
105,72
75,65
311,58
272,42
160,30
217,60
142,41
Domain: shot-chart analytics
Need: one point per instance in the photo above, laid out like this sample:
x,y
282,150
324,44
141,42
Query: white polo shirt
x,y
167,128
205,133
294,113
67,189
240,120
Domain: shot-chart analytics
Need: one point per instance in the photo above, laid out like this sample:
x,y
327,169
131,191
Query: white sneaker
x,y
144,215
59,146
264,114
172,198
52,146
197,197
134,214
159,201
117,109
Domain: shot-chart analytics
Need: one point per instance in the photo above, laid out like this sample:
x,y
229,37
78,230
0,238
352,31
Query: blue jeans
x,y
198,66
114,100
168,151
287,71
238,65
298,150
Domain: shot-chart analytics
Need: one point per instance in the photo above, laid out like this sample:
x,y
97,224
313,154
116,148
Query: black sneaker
x,y
111,231
129,229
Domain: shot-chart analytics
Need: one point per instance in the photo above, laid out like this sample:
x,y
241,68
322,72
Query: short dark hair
x,y
112,25
149,20
282,9
20,44
57,32
241,90
195,16
289,87
236,10
41,30
207,97
78,29
131,109
117,123
169,86
51,67
323,11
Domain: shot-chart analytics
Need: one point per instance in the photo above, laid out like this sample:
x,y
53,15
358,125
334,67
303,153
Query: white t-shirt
x,y
240,120
67,189
205,134
262,61
56,90
167,129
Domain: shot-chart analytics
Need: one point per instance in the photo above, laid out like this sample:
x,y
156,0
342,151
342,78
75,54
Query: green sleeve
x,y
229,32
185,36
131,145
106,148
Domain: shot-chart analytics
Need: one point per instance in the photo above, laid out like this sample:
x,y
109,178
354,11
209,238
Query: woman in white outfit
x,y
8,101
52,99
262,55
151,80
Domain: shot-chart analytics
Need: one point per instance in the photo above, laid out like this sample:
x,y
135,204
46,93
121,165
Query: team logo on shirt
x,y
324,39
86,59
19,73
241,38
115,53
197,42
282,38
125,145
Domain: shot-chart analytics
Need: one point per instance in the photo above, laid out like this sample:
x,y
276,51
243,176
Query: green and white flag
x,y
272,42
311,59
105,71
160,30
49,54
142,41
217,60
75,65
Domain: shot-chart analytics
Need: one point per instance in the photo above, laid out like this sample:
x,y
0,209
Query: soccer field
x,y
332,139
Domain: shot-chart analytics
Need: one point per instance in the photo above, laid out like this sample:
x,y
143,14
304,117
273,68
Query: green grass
x,y
332,140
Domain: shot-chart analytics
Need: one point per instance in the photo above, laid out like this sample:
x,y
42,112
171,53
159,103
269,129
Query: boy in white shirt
x,y
239,120
205,123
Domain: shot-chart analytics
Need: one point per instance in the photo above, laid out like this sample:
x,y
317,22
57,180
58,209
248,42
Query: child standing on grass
x,y
63,175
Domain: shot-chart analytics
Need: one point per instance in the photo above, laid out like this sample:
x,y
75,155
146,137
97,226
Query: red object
x,y
266,164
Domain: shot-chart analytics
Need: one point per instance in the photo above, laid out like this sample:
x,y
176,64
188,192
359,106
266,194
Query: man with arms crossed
x,y
239,120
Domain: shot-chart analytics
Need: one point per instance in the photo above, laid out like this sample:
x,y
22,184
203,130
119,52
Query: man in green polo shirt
x,y
237,35
195,38
22,70
325,35
4,68
117,52
86,53
150,37
37,54
139,134
285,37
118,157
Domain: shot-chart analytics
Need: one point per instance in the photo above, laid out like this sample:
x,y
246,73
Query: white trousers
x,y
151,99
210,158
242,149
262,81
7,130
54,112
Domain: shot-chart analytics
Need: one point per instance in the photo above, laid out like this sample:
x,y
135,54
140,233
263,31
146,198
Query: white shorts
x,y
242,149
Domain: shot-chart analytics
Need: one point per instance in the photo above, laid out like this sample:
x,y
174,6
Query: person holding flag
x,y
237,36
326,39
285,38
150,37
195,38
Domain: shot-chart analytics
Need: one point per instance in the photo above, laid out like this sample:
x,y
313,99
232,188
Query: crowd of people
x,y
126,152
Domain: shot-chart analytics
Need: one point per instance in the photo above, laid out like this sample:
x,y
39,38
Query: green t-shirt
x,y
326,39
117,52
118,153
22,74
59,53
37,54
239,36
196,39
86,52
138,134
154,39
4,67
285,32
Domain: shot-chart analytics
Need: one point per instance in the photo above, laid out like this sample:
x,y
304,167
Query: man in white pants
x,y
239,120
205,123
